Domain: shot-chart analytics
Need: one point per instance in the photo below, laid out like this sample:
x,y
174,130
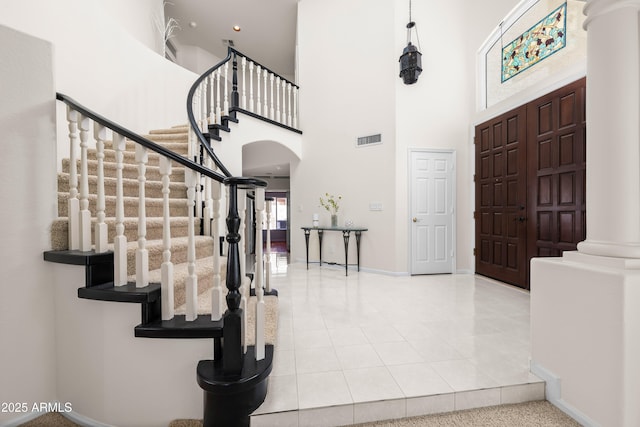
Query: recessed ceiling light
x,y
236,28
193,24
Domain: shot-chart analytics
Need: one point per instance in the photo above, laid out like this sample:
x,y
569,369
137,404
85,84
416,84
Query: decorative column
x,y
613,146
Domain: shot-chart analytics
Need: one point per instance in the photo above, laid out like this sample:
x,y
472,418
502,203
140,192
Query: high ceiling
x,y
268,28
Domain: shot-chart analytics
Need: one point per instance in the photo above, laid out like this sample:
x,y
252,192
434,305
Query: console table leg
x,y
320,233
306,242
345,237
358,234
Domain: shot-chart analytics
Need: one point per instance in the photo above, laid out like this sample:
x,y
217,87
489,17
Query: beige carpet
x,y
530,414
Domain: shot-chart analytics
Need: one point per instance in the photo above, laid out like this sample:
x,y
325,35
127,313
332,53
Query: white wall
x,y
107,374
194,58
101,64
142,19
350,87
87,54
347,79
28,194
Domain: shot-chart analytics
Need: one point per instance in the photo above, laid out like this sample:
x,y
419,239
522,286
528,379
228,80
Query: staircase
x,y
176,140
142,215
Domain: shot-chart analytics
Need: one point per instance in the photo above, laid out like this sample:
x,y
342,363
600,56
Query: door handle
x,y
415,219
520,219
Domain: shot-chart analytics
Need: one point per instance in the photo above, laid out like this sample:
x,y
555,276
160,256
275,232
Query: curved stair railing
x,y
213,102
235,380
249,88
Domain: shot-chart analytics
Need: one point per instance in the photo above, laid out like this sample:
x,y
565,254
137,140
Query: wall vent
x,y
369,140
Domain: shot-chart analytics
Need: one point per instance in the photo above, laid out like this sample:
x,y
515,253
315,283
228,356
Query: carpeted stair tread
x,y
179,147
152,173
271,315
162,138
154,206
130,187
175,129
204,273
155,226
128,157
179,251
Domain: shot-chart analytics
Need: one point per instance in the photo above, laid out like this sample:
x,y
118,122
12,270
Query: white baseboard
x,y
71,415
352,267
21,419
553,391
84,421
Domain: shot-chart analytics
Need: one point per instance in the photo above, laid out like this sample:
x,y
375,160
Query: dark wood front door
x,y
501,196
530,184
556,170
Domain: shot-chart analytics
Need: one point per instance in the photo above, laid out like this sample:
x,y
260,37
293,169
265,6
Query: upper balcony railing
x,y
240,84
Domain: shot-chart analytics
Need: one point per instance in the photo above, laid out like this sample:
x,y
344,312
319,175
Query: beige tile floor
x,y
367,347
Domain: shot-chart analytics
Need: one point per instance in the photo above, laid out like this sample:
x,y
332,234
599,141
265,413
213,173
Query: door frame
x,y
454,158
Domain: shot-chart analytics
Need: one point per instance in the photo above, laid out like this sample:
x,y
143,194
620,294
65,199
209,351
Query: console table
x,y
346,232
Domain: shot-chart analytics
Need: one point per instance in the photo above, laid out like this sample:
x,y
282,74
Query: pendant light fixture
x,y
411,58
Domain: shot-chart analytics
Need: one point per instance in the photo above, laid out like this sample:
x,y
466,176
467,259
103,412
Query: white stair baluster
x,y
100,230
289,104
272,111
226,89
258,100
166,278
277,118
202,108
283,115
191,150
207,215
243,102
267,267
218,108
212,118
73,203
217,297
259,282
142,254
295,108
251,103
120,241
191,285
85,214
203,101
265,110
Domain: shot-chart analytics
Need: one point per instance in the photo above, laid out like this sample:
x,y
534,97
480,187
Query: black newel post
x,y
235,386
235,96
232,354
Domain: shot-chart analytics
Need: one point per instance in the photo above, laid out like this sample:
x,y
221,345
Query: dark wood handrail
x,y
139,139
192,120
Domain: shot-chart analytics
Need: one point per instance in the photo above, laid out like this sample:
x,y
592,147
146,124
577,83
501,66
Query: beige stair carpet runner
x,y
175,139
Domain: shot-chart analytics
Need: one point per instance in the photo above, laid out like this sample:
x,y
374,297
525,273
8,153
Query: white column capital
x,y
596,8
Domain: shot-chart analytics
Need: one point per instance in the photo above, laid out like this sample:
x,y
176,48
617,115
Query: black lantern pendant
x,y
411,58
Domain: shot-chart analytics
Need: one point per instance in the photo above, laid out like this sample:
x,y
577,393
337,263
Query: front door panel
x,y
501,186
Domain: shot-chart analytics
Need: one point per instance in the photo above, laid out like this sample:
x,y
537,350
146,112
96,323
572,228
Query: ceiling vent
x,y
365,141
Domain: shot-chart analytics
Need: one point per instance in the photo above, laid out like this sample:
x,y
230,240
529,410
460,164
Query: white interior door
x,y
432,212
